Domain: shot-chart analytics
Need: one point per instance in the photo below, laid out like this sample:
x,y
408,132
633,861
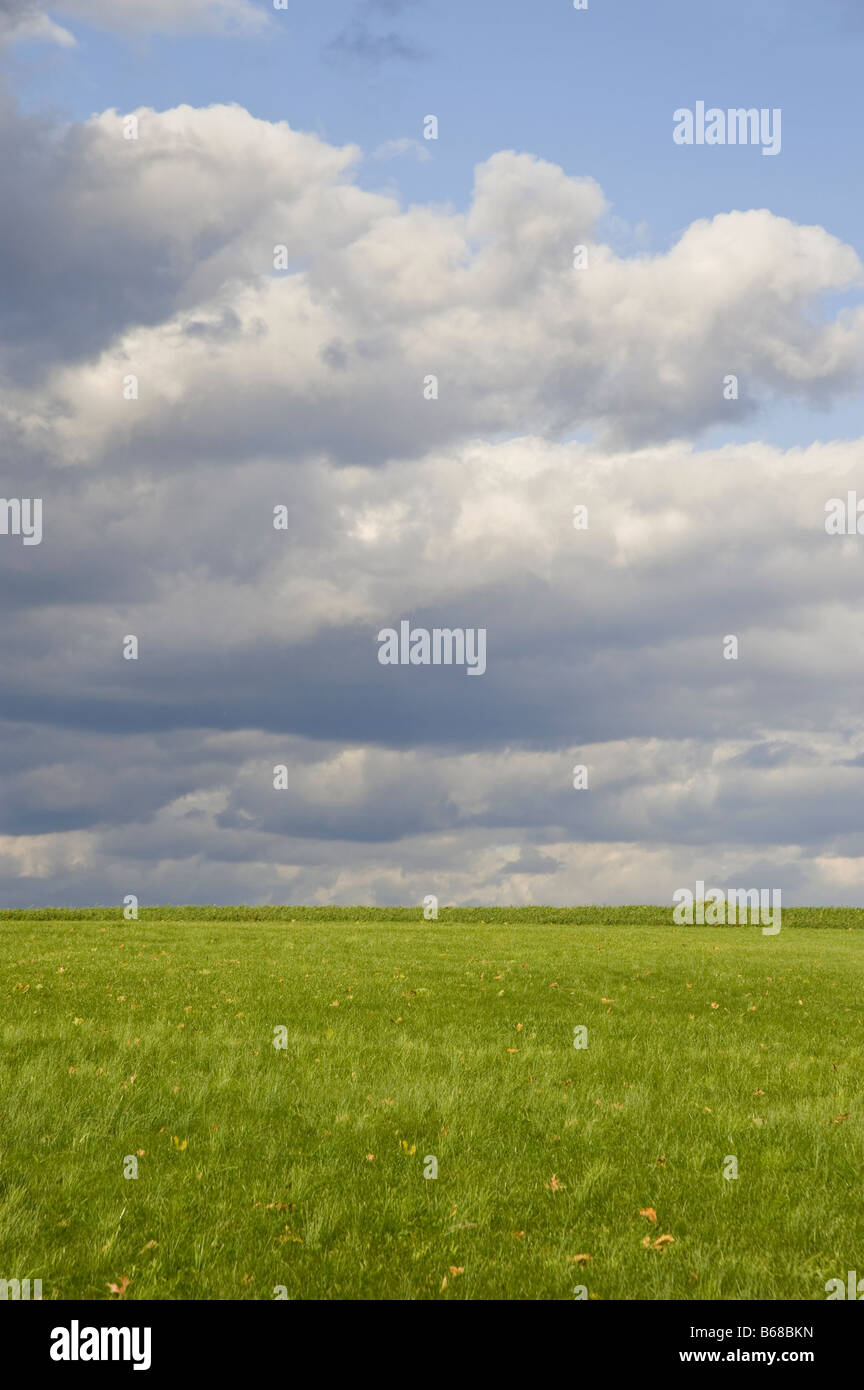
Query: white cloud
x,y
29,19
258,647
335,351
402,148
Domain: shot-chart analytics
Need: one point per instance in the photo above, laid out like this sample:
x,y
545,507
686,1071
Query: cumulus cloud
x,y
303,387
30,19
170,245
259,648
102,233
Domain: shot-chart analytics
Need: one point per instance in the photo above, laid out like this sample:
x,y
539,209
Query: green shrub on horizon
x,y
643,915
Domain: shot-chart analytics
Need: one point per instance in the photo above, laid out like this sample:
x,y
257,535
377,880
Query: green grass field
x,y
303,1167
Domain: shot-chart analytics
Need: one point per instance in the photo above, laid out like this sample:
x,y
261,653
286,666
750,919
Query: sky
x,y
233,307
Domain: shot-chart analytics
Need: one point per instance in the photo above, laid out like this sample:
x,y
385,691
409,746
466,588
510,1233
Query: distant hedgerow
x,y
838,917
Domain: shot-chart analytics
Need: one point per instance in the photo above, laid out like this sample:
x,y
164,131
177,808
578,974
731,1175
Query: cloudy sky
x,y
302,388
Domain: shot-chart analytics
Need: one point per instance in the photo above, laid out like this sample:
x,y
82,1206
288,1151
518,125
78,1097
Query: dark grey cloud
x,y
770,754
75,269
361,45
13,11
101,233
357,45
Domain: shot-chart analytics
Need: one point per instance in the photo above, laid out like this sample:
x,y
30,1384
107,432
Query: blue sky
x,y
593,91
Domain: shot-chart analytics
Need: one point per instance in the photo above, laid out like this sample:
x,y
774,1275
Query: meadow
x,y
300,1167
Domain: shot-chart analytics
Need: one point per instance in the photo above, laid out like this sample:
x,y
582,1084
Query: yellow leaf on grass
x,y
650,1213
659,1244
